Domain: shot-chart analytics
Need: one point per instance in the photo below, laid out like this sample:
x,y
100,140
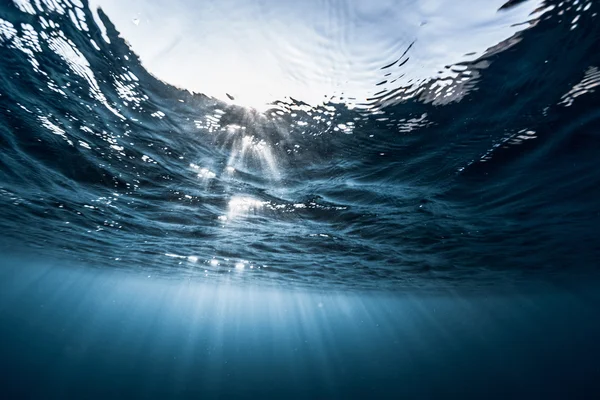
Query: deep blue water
x,y
437,238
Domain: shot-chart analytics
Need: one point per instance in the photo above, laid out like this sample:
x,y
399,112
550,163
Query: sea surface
x,y
321,199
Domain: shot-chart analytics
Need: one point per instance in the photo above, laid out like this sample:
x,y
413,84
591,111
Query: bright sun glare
x,y
298,48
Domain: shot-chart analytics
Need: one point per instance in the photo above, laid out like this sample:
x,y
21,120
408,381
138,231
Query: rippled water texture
x,y
349,144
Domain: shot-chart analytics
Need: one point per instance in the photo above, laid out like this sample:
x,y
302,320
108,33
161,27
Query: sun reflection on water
x,y
239,206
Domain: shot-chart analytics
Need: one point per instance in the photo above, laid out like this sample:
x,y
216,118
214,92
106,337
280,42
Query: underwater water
x,y
320,199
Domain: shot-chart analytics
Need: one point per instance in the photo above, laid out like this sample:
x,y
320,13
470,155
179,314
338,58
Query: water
x,y
310,200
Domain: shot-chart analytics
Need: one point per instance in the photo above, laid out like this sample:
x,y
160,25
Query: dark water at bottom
x,y
70,332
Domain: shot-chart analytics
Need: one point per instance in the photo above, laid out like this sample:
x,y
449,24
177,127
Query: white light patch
x,y
206,174
203,173
243,205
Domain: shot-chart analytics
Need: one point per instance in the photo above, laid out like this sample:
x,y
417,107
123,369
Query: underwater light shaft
x,y
110,333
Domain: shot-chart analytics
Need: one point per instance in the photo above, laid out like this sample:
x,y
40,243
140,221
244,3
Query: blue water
x,y
427,234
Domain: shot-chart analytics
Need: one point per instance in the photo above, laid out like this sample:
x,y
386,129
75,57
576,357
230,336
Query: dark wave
x,y
491,177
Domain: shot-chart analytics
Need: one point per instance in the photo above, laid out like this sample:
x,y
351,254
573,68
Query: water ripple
x,y
314,143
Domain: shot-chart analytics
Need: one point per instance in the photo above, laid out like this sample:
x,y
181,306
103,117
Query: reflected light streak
x,y
250,150
243,205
